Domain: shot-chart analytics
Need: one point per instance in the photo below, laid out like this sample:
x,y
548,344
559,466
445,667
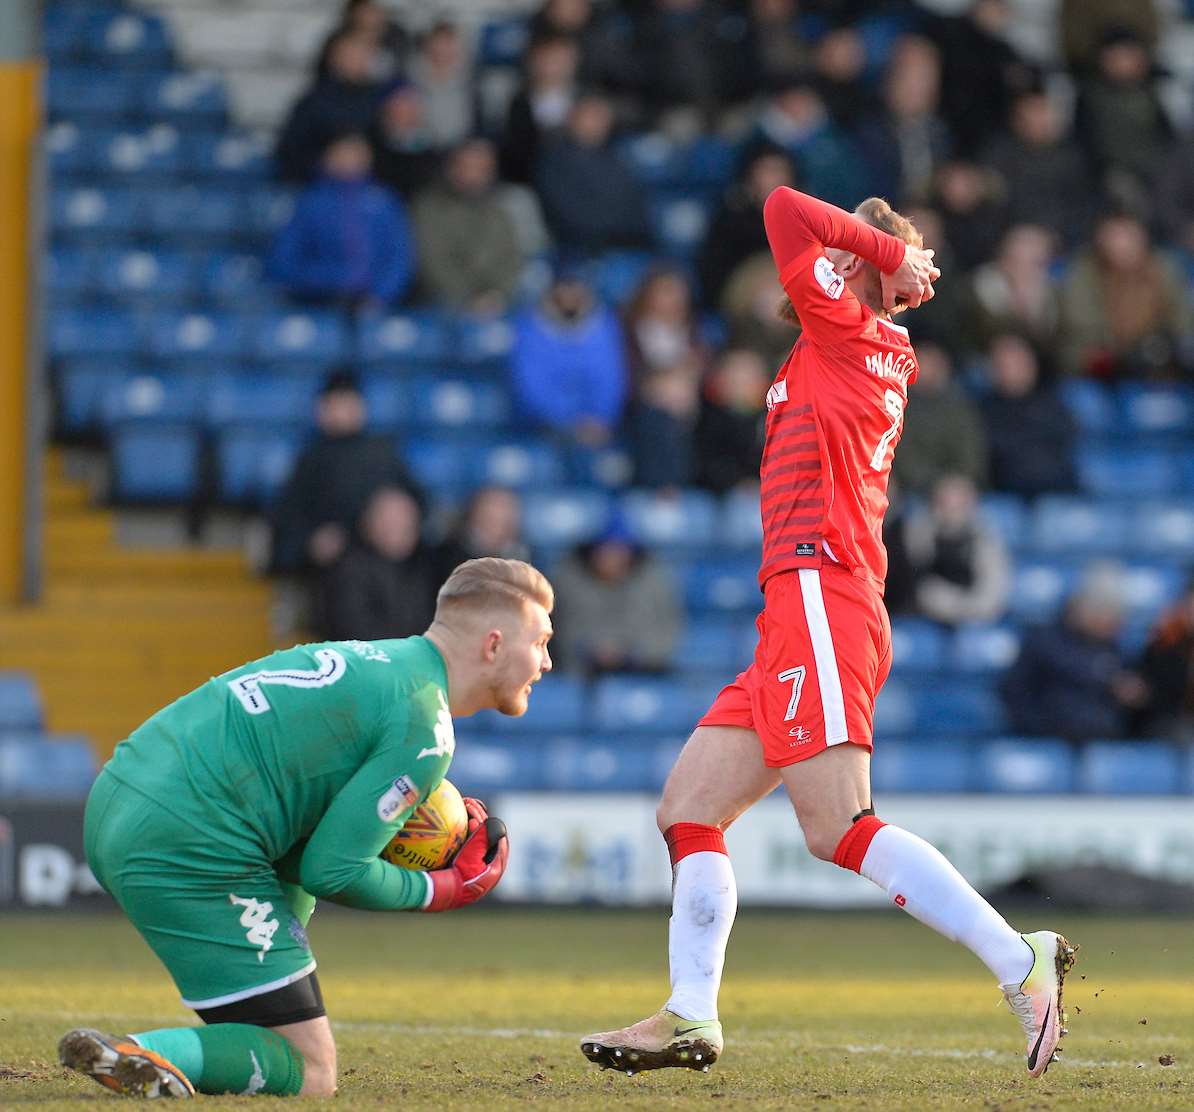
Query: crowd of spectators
x,y
1059,203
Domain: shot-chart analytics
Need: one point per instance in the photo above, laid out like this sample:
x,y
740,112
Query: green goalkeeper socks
x,y
230,1058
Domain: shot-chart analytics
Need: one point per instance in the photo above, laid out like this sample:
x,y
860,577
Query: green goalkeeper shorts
x,y
226,930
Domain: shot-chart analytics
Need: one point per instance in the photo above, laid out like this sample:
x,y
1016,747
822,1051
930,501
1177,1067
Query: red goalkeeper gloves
x,y
478,866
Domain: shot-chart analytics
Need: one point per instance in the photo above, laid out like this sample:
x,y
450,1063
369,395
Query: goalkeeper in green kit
x,y
218,823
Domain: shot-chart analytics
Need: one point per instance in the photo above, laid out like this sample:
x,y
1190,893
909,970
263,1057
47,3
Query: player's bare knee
x,y
319,1079
823,839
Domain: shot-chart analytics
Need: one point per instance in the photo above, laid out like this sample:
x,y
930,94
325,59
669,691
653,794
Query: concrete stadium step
x,y
121,632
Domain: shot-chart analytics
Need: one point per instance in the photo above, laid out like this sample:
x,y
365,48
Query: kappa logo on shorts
x,y
256,918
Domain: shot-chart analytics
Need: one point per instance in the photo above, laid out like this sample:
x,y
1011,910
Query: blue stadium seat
x,y
519,463
485,764
88,211
403,338
688,519
1163,529
1130,768
253,462
154,462
387,400
137,155
661,758
895,709
617,274
1063,524
64,31
240,157
709,162
1119,471
608,466
217,337
194,99
93,332
1155,410
598,764
308,338
267,208
129,39
654,158
723,584
1091,404
189,213
179,396
458,403
1005,514
69,149
634,705
984,648
60,768
20,706
260,397
1033,764
68,273
1039,587
679,223
1150,587
741,523
923,766
503,42
146,274
917,646
562,518
715,644
558,705
480,342
81,385
439,463
232,279
959,709
89,93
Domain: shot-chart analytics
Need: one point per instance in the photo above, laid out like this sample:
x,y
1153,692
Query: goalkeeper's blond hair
x,y
492,583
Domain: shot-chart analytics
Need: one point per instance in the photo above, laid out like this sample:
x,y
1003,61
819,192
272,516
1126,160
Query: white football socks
x,y
704,903
921,881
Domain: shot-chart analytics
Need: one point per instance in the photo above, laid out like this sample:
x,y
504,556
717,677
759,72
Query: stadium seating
x,y
39,768
20,706
1130,768
167,344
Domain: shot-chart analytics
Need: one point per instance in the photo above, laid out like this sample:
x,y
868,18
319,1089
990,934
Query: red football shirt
x,y
836,408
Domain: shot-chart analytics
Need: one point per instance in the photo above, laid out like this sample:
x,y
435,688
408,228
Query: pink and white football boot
x,y
1036,1000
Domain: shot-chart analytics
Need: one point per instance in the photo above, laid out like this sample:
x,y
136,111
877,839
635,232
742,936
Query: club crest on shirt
x,y
828,279
778,393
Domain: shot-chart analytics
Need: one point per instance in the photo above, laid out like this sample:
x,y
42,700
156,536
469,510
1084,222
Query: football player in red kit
x,y
802,713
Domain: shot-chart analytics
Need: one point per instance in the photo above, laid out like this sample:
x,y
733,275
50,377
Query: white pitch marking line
x,y
436,1031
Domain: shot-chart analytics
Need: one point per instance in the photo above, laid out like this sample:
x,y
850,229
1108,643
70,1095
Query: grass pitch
x,y
482,1009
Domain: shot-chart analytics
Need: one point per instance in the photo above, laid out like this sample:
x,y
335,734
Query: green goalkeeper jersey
x,y
310,759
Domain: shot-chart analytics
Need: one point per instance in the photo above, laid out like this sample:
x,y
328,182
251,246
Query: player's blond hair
x,y
876,212
490,583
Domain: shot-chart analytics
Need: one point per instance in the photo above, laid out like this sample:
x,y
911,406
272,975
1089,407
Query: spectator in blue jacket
x,y
569,363
349,238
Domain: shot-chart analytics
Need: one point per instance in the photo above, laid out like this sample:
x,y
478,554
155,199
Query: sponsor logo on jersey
x,y
778,393
260,928
886,364
805,548
402,793
368,650
828,279
445,736
800,734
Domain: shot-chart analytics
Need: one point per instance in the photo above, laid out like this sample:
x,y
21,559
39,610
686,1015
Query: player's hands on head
x,y
912,282
479,865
